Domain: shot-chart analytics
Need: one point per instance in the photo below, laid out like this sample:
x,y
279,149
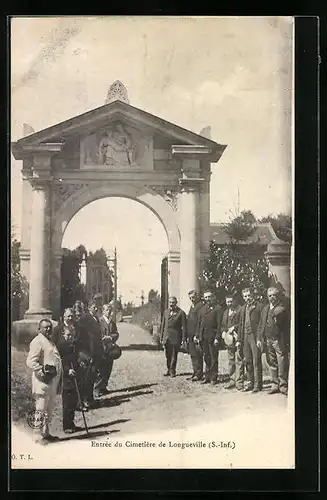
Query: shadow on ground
x,y
133,388
142,347
91,435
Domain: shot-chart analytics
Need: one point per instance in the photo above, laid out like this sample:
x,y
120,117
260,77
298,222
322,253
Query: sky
x,y
233,74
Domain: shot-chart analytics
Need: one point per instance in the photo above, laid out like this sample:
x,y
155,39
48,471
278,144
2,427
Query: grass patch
x,y
21,386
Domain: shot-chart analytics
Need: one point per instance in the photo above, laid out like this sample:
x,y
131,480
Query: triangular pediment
x,y
106,115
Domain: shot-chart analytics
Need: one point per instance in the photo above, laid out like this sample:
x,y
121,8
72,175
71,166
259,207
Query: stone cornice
x,y
191,184
199,152
21,151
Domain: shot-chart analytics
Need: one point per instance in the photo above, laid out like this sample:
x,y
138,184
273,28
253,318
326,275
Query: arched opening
x,y
140,240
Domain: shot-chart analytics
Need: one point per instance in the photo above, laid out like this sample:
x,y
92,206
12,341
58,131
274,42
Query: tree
x,y
19,284
281,224
153,296
228,269
71,287
240,227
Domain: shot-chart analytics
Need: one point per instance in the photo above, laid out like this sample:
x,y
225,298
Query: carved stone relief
x,y
62,192
116,146
170,195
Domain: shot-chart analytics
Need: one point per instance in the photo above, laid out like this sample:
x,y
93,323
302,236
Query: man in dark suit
x,y
172,334
247,332
229,324
90,324
194,347
274,332
66,337
109,335
209,336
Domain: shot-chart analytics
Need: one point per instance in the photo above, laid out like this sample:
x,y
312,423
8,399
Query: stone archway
x,y
79,195
114,150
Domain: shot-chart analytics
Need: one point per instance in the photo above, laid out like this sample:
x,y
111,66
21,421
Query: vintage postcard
x,y
152,242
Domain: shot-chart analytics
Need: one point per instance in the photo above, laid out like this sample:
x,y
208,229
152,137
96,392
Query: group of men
x,y
74,359
247,331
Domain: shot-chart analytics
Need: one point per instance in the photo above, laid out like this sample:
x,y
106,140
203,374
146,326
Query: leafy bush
x,y
21,386
229,269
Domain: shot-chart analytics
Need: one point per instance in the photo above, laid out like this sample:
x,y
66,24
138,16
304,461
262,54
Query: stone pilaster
x,y
173,274
189,251
39,253
279,258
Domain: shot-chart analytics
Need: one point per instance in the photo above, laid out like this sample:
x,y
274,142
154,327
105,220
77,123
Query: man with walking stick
x,y
66,337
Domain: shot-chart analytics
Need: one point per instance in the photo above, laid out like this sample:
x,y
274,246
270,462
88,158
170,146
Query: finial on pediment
x,y
206,132
117,92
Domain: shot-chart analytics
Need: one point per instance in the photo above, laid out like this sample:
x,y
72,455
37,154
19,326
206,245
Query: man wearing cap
x,y
209,336
250,314
172,334
274,331
194,347
44,359
229,324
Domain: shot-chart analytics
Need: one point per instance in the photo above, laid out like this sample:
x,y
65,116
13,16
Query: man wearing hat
x,y
229,323
274,331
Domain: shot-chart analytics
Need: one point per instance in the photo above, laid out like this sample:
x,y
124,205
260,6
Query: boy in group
x,y
229,324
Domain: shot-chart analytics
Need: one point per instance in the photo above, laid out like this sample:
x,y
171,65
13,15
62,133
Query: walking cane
x,y
80,401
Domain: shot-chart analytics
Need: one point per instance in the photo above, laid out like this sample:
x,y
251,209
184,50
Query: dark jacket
x,y
234,320
173,327
108,330
91,325
282,323
255,314
210,323
68,352
193,319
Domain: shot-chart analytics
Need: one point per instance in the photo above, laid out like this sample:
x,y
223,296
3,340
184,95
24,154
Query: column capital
x,y
40,183
191,185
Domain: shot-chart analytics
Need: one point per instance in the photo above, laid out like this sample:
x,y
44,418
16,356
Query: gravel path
x,y
141,398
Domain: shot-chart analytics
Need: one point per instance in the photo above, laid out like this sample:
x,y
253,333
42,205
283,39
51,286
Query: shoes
x,y
103,392
90,404
214,382
167,374
248,388
256,389
191,378
230,385
240,387
51,439
205,381
173,374
71,430
273,390
196,379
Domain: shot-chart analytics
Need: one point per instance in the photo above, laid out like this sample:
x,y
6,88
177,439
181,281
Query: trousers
x,y
104,369
171,351
69,403
44,404
86,377
211,356
235,367
253,363
196,354
278,362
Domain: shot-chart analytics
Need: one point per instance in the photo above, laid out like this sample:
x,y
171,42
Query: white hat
x,y
228,338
